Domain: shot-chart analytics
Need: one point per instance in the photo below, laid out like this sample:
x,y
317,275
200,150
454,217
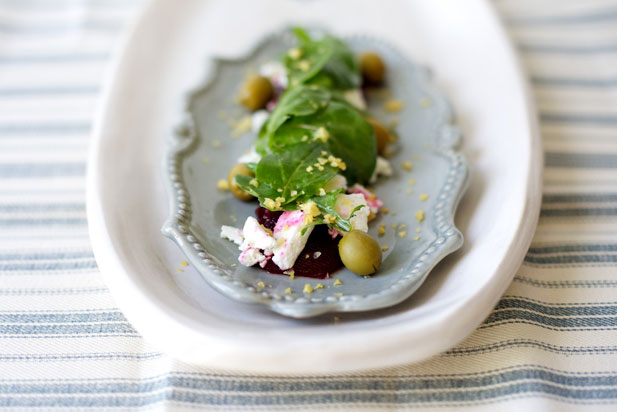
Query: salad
x,y
317,149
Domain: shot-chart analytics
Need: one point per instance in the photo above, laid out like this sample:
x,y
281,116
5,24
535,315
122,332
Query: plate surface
x,y
165,55
194,164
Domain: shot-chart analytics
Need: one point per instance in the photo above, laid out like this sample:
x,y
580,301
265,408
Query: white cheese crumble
x,y
336,183
250,157
258,119
257,237
276,72
382,168
289,238
345,204
251,256
232,233
355,98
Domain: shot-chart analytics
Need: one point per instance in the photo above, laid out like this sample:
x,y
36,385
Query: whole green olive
x,y
360,253
238,169
372,67
256,92
382,135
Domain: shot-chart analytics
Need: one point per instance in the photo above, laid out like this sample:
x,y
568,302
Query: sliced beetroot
x,y
267,217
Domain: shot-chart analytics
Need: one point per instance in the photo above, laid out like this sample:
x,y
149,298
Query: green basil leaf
x,y
294,172
351,138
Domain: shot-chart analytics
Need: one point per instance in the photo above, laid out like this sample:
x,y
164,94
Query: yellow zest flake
x,y
328,218
180,270
336,319
337,162
402,234
423,197
216,144
416,238
310,209
322,192
206,160
307,256
411,181
304,138
324,153
393,105
233,265
288,291
418,230
304,65
337,282
338,294
394,226
279,200
260,284
271,204
319,286
184,263
407,165
319,167
409,191
425,102
241,126
222,184
382,229
307,289
253,182
309,169
420,215
294,53
385,210
233,218
402,226
322,160
279,190
385,247
293,192
321,134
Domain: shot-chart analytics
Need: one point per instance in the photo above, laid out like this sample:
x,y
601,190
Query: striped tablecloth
x,y
551,342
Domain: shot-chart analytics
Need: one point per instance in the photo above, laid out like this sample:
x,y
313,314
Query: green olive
x,y
360,253
382,134
256,92
372,67
238,169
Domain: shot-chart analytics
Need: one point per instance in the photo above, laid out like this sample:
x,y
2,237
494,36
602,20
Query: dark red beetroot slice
x,y
321,249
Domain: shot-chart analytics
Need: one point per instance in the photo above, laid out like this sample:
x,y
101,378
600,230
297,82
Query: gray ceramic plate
x,y
203,149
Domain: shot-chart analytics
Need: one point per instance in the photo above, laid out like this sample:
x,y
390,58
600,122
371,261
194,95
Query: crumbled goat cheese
x,y
289,238
258,119
250,157
257,237
355,98
382,168
232,233
251,256
276,72
345,204
336,183
373,202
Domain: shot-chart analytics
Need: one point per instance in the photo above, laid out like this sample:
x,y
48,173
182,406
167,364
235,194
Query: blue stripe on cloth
x,y
596,82
549,322
59,221
572,212
558,284
43,91
587,247
47,255
559,310
579,197
608,14
42,207
122,328
580,160
591,119
211,391
44,129
566,49
32,170
63,317
49,266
